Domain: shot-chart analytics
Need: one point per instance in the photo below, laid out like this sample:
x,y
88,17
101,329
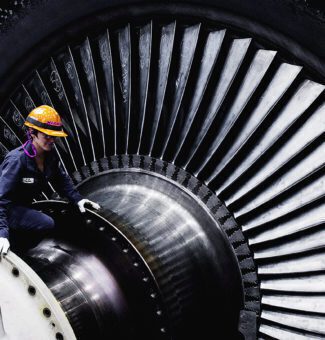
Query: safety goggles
x,y
47,137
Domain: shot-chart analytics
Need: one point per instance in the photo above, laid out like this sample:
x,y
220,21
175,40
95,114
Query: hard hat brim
x,y
47,131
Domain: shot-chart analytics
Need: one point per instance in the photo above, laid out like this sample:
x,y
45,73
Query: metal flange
x,y
28,308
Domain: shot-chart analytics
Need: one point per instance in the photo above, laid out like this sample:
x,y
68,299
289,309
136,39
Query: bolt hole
x,y
31,290
59,336
53,324
46,312
15,272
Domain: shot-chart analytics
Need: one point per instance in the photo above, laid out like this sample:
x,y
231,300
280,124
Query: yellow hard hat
x,y
45,119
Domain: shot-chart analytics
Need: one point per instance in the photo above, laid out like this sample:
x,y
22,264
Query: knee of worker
x,y
45,222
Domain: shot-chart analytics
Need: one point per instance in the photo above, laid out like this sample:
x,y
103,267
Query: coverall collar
x,y
48,161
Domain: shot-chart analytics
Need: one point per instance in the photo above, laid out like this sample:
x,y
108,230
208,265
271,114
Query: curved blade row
x,y
245,122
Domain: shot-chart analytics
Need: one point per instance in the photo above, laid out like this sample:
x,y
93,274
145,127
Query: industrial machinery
x,y
198,126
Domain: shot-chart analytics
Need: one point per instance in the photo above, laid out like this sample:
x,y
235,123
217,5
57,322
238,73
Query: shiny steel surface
x,y
86,289
89,268
143,271
183,245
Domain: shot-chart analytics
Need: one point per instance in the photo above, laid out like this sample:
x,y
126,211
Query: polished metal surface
x,y
144,266
185,248
85,287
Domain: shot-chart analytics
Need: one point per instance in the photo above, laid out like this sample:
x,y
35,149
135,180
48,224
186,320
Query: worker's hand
x,y
4,246
83,202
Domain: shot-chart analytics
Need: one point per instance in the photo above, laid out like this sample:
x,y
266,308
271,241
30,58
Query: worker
x,y
25,172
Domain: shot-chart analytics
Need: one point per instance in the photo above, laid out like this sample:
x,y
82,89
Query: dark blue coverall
x,y
21,181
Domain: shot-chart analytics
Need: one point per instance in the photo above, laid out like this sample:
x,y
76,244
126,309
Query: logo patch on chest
x,y
28,180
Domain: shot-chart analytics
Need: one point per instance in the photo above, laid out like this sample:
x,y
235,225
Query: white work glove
x,y
83,202
4,246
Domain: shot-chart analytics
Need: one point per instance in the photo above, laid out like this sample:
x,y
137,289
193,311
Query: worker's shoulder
x,y
15,154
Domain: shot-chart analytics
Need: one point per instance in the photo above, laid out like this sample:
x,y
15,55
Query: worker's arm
x,y
64,186
9,178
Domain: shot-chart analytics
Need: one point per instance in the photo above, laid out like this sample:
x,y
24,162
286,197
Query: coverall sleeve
x,y
9,178
64,185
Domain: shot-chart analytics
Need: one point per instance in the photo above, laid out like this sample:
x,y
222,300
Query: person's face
x,y
43,141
